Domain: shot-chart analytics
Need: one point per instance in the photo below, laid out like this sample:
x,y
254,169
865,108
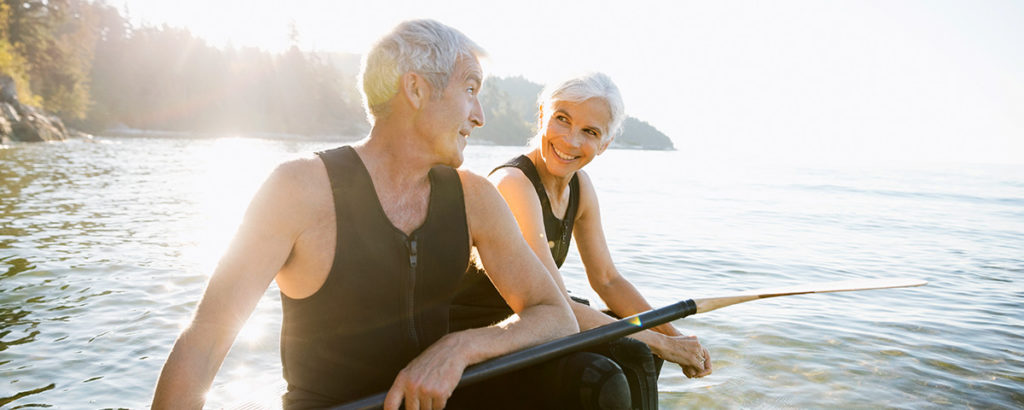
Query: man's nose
x,y
476,117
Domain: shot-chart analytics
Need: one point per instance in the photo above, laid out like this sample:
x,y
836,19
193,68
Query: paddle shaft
x,y
545,351
542,352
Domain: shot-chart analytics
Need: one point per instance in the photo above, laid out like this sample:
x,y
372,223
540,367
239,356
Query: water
x,y
105,248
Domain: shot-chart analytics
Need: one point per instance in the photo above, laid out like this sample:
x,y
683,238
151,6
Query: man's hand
x,y
429,379
687,352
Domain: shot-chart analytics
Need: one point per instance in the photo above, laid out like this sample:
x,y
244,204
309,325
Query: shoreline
x,y
283,136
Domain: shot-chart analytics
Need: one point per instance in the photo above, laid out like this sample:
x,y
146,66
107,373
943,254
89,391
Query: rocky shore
x,y
22,122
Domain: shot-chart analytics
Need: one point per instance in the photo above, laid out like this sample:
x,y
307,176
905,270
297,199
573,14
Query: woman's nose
x,y
574,138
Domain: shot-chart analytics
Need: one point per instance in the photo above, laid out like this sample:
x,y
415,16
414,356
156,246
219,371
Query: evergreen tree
x,y
56,38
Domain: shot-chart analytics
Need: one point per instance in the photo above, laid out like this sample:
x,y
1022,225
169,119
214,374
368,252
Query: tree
x,y
13,63
56,38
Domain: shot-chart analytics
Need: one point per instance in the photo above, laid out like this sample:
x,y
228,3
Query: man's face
x,y
449,120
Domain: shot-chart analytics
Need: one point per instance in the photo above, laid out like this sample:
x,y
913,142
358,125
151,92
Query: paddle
x,y
542,352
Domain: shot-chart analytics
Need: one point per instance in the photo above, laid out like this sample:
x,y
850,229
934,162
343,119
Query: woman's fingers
x,y
693,358
706,369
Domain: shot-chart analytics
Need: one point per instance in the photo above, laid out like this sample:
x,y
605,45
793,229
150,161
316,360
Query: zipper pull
x,y
412,252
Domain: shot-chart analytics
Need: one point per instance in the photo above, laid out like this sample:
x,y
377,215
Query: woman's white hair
x,y
426,47
584,87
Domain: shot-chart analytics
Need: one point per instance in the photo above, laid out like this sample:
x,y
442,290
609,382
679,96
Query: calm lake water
x,y
106,246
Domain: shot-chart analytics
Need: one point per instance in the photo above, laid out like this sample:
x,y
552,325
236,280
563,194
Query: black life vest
x,y
386,297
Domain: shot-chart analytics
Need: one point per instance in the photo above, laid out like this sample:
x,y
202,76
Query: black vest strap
x,y
558,231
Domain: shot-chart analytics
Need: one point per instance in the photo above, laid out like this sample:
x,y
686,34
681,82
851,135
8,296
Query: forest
x,y
86,63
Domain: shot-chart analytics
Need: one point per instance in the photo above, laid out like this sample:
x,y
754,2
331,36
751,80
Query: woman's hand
x,y
687,352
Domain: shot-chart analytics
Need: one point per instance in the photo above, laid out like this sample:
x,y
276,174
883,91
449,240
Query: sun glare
x,y
252,332
245,393
843,93
226,174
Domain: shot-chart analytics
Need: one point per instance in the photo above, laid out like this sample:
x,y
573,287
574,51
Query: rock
x,y
20,122
59,125
34,125
5,127
73,133
8,116
8,112
8,91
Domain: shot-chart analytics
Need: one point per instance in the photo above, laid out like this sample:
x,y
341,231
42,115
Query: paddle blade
x,y
708,304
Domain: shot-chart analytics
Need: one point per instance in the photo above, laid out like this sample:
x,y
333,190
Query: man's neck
x,y
399,168
395,155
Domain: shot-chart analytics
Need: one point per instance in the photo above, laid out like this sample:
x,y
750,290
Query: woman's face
x,y
574,133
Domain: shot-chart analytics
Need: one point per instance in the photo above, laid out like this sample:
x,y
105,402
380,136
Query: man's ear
x,y
414,89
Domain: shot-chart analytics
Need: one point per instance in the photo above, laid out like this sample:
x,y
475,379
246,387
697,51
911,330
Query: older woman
x,y
552,198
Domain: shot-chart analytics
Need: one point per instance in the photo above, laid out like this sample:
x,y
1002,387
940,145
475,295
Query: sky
x,y
933,81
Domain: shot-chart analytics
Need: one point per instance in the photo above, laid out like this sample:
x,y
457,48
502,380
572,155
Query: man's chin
x,y
453,160
460,155
457,161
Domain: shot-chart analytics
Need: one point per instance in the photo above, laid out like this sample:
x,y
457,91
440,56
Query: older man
x,y
368,243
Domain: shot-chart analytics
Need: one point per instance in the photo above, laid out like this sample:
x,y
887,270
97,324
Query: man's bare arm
x,y
258,251
522,280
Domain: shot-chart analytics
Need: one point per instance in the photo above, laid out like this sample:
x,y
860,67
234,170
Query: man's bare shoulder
x,y
296,187
481,196
299,176
299,169
473,184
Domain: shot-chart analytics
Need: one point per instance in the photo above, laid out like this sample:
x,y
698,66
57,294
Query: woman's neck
x,y
555,185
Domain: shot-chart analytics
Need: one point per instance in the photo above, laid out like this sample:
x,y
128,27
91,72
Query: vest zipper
x,y
411,244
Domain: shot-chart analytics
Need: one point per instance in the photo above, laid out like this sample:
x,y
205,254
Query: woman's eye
x,y
592,133
562,118
471,90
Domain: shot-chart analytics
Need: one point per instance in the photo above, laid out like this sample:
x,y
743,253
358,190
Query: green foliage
x,y
13,64
56,39
85,62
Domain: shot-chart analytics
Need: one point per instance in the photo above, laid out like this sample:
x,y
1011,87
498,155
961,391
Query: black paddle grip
x,y
545,351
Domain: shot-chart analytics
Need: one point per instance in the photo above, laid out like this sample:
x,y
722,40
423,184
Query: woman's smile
x,y
562,155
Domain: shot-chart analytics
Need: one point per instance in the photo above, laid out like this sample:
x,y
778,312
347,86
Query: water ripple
x,y
105,249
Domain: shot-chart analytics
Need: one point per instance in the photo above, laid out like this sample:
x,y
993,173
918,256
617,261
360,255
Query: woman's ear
x,y
413,89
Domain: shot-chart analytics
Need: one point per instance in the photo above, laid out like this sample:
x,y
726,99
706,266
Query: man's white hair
x,y
425,47
584,87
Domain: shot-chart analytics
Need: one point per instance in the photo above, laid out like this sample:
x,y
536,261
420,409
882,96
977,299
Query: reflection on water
x,y
105,249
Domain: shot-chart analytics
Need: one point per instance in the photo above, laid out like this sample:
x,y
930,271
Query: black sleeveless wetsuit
x,y
386,297
477,303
